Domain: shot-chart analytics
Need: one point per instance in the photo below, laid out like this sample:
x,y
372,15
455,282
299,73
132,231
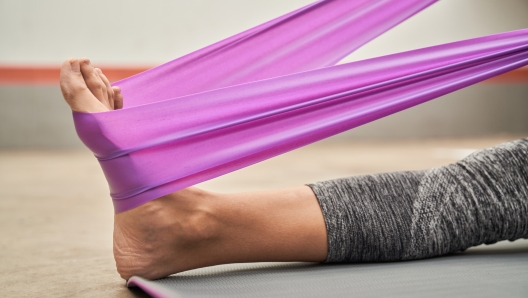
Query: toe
x,y
109,90
75,90
71,80
94,82
118,98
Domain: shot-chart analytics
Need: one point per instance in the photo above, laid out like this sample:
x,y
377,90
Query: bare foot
x,y
193,228
165,236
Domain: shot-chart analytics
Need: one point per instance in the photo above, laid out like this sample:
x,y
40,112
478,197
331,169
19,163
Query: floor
x,y
56,216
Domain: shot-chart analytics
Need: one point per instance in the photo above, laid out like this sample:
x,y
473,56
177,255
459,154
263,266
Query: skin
x,y
195,228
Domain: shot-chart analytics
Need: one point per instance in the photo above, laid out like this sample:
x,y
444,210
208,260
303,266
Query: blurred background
x,y
125,37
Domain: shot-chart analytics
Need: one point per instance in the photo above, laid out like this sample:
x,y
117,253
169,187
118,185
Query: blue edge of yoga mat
x,y
498,270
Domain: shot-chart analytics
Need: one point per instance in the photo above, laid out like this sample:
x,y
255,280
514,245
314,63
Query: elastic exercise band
x,y
269,90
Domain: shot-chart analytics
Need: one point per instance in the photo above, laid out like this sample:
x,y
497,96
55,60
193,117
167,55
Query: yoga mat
x,y
498,270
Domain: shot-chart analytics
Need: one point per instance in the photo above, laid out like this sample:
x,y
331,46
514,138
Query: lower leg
x,y
275,225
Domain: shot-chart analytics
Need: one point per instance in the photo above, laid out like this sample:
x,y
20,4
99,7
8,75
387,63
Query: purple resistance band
x,y
272,89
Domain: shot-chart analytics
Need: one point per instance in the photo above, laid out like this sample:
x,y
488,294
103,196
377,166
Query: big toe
x,y
75,91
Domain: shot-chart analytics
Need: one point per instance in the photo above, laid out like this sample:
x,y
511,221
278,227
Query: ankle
x,y
173,233
192,213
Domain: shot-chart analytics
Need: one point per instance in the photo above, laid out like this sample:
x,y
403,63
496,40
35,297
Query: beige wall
x,y
448,21
150,32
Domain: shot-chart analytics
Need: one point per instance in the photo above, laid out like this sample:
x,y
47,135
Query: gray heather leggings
x,y
410,215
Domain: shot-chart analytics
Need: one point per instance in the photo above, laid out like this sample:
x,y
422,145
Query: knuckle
x,y
99,86
76,88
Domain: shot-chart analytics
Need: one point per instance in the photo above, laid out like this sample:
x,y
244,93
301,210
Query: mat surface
x,y
499,270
